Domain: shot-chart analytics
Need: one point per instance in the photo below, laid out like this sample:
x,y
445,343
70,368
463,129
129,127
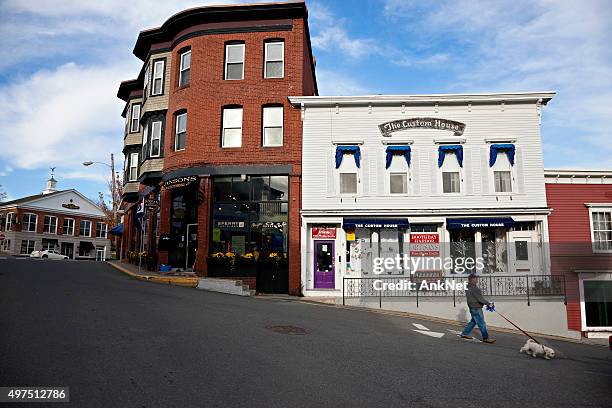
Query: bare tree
x,y
2,193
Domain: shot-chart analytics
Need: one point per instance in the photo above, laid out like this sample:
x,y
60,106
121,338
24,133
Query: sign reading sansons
x,y
179,182
427,123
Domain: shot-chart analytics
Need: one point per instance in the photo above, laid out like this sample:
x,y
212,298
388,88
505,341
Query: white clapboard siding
x,y
486,122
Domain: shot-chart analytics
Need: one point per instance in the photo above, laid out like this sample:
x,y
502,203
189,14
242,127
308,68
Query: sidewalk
x,y
184,279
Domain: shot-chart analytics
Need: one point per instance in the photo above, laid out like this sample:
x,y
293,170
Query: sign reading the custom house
x,y
427,123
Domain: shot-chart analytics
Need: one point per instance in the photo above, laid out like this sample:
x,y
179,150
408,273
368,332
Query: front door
x,y
192,245
67,249
324,270
524,252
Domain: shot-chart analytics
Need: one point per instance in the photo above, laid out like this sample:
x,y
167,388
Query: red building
x,y
211,136
580,231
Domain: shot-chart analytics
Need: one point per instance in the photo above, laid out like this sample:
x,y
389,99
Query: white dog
x,y
534,349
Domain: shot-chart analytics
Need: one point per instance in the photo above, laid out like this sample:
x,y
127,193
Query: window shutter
x,y
485,170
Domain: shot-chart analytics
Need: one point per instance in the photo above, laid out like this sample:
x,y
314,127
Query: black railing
x,y
527,286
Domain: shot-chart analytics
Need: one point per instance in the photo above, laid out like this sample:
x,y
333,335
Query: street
x,y
119,342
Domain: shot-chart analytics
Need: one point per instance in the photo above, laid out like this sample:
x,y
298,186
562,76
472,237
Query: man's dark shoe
x,y
463,336
490,341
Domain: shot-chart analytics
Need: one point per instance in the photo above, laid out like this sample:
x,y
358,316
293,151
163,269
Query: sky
x,y
62,62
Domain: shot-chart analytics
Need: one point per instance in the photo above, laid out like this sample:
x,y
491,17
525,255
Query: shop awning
x,y
351,223
147,190
397,150
462,223
509,148
118,230
342,150
443,149
86,245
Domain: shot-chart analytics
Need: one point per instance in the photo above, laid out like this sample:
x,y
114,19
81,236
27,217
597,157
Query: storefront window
x,y
250,215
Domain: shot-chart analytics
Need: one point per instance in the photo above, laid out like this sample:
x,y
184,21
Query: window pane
x,y
275,51
348,183
232,137
450,182
235,53
522,253
181,123
232,118
273,116
273,137
222,188
241,189
398,184
260,188
274,69
279,188
184,80
234,71
502,182
186,60
180,141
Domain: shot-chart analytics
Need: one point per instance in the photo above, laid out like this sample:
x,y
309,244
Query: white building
x,y
62,220
422,176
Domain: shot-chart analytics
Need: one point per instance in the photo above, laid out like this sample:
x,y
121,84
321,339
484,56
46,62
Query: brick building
x,y
60,220
211,136
580,230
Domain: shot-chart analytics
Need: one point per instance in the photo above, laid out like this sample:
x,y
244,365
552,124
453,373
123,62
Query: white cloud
x,y
334,83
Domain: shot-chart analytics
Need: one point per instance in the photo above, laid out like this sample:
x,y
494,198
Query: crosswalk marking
x,y
430,333
419,326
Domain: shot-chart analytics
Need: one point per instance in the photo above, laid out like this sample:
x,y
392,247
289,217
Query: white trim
x,y
270,126
599,205
182,68
135,128
158,74
35,222
158,138
282,59
176,132
398,142
446,140
227,48
347,142
27,204
88,235
581,279
500,140
7,223
105,229
64,224
598,210
224,127
133,165
44,223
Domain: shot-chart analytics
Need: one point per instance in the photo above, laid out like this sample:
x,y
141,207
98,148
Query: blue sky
x,y
63,60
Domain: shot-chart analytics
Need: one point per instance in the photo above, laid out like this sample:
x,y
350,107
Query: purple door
x,y
324,274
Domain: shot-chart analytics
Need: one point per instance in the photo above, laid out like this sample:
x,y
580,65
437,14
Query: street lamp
x,y
113,192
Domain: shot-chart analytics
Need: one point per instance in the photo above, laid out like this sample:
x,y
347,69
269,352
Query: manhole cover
x,y
293,330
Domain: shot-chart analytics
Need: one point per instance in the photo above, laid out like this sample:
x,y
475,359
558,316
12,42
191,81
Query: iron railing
x,y
527,286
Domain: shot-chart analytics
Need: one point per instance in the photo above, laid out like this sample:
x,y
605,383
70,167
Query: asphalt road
x,y
118,342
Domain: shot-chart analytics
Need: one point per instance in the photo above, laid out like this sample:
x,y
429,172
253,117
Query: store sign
x,y
460,223
179,182
426,123
351,223
268,225
424,244
230,224
151,204
71,206
324,233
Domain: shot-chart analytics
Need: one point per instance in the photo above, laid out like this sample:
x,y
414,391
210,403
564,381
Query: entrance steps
x,y
229,286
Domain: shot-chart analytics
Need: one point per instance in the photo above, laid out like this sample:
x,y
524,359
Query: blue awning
x,y
399,150
118,230
509,148
443,149
342,150
351,223
462,223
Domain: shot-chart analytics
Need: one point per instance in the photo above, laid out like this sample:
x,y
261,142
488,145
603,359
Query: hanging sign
x,y
426,123
324,233
179,182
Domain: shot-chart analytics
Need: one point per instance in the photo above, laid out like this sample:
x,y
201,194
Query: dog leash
x,y
492,309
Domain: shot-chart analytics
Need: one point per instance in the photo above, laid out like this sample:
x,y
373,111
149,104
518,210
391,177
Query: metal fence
x,y
527,286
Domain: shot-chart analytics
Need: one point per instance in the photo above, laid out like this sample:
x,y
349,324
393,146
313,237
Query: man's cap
x,y
472,276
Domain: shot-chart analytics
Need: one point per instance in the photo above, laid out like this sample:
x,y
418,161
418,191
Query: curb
x,y
169,280
423,318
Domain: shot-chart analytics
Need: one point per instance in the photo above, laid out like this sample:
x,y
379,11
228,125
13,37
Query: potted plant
x,y
220,264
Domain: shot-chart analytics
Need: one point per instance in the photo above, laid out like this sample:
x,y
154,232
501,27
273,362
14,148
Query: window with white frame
x,y
145,140
232,127
273,126
101,229
50,224
348,175
68,226
601,229
158,78
274,59
502,174
234,61
10,219
27,247
451,174
85,230
180,131
135,118
184,68
398,175
29,222
133,176
156,130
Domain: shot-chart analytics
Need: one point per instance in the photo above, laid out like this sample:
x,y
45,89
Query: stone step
x,y
229,286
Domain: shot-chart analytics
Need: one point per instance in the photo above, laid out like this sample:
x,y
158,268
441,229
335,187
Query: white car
x,y
47,254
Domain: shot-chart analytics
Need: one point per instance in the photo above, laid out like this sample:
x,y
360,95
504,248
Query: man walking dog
x,y
475,302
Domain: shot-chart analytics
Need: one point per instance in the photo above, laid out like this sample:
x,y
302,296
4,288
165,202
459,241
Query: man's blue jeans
x,y
477,319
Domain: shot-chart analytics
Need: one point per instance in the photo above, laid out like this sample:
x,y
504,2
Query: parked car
x,y
47,254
